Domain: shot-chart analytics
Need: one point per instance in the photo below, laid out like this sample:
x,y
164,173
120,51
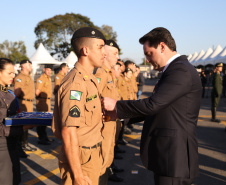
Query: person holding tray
x,y
9,158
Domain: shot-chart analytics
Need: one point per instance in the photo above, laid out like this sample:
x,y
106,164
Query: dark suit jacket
x,y
168,143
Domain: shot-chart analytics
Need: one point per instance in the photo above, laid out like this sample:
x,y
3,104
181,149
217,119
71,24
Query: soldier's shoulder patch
x,y
98,79
40,81
18,80
57,77
74,111
75,95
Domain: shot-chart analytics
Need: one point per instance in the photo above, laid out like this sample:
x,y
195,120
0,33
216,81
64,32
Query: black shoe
x,y
44,142
216,120
118,150
115,178
122,142
29,148
117,169
117,156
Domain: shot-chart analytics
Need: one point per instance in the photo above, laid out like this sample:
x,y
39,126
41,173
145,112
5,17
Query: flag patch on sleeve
x,y
75,95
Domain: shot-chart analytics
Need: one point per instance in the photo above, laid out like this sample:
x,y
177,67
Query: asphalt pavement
x,y
41,167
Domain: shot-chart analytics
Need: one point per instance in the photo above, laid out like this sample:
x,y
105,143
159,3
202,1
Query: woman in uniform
x,y
9,158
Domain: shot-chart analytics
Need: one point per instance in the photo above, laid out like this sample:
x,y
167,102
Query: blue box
x,y
30,118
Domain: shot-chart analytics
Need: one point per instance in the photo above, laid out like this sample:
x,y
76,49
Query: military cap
x,y
25,61
88,32
111,43
219,65
48,66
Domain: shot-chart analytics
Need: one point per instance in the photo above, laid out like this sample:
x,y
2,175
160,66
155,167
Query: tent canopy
x,y
42,56
71,59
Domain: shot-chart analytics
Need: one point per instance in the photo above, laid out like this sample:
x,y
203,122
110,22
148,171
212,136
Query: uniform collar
x,y
3,88
106,68
24,73
83,72
45,75
61,73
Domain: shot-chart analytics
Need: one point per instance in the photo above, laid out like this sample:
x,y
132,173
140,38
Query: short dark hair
x,y
63,65
118,64
128,62
3,62
158,35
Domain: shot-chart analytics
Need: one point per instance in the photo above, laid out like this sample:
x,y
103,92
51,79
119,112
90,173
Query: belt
x,y
91,147
26,99
42,98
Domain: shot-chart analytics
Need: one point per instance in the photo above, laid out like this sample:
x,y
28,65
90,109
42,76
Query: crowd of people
x,y
97,102
217,80
116,79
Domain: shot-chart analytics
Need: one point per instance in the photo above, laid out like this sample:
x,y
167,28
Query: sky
x,y
195,24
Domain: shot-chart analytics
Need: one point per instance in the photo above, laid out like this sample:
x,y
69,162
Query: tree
x,y
55,33
15,51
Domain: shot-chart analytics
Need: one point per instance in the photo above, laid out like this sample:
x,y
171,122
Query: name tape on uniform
x,y
91,98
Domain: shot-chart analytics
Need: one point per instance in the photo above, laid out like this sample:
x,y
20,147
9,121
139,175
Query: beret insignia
x,y
74,111
93,32
111,44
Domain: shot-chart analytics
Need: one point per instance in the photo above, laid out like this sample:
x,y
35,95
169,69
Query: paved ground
x,y
42,166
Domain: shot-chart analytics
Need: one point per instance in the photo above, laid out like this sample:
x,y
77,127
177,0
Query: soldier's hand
x,y
108,103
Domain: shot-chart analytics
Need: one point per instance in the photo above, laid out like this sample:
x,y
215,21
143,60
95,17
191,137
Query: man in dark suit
x,y
169,146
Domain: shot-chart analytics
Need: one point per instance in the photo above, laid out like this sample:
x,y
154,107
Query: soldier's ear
x,y
84,51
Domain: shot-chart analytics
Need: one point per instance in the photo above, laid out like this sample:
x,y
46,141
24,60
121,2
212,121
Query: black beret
x,y
48,66
219,65
111,43
88,32
25,61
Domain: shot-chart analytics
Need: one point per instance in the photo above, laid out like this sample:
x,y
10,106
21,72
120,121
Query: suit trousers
x,y
163,180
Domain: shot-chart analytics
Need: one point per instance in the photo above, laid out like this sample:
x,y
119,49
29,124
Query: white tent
x,y
189,57
200,55
42,56
221,57
201,60
71,59
210,58
193,57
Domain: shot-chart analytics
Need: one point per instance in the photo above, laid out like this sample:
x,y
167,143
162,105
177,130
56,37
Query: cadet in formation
x,y
59,77
77,117
217,91
24,90
43,101
107,88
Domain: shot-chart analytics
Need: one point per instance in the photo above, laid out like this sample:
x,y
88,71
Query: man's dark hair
x,y
118,64
63,65
127,63
158,35
78,44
